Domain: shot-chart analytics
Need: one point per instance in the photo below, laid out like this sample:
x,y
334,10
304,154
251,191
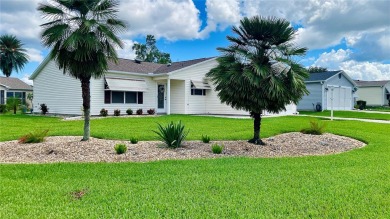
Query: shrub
x,y
316,128
139,112
44,109
151,111
120,148
172,134
103,112
361,104
134,140
117,112
34,137
216,148
129,111
205,138
3,108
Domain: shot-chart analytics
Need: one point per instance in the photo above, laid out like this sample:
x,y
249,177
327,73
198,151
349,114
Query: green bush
x,y
134,140
44,109
120,148
103,112
216,148
361,104
3,108
139,112
151,111
117,112
205,138
34,137
172,134
129,111
316,128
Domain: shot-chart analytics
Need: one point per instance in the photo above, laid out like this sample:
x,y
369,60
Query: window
x,y
123,97
198,92
19,95
10,94
117,97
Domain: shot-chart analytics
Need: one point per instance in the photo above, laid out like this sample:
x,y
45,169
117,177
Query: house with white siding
x,y
331,89
175,88
375,93
14,87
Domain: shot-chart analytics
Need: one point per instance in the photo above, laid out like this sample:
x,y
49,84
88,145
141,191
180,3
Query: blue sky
x,y
351,35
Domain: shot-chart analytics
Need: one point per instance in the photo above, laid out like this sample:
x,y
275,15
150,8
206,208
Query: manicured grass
x,y
349,114
355,184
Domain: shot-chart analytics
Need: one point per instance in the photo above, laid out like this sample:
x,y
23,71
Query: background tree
x,y
149,52
82,35
12,55
316,69
13,103
257,71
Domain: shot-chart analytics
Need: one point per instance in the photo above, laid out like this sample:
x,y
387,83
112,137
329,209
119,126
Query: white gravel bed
x,y
71,149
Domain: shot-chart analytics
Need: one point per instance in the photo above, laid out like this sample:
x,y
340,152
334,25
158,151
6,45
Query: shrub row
x,y
117,112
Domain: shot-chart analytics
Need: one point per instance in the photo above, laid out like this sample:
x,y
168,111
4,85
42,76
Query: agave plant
x,y
172,134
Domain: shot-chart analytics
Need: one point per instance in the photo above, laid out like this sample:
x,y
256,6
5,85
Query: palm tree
x,y
257,71
82,35
12,55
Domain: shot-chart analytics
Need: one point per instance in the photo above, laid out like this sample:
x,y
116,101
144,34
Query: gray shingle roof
x,y
371,83
128,65
321,76
14,83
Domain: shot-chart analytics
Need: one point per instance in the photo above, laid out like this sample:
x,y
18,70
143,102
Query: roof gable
x,y
14,83
322,76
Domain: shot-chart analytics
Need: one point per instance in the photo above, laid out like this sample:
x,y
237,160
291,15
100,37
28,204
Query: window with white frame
x,y
123,97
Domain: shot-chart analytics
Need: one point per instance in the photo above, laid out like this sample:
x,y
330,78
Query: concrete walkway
x,y
356,119
369,111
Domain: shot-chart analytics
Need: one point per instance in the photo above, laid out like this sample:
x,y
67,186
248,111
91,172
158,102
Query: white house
x,y
329,89
176,88
14,87
375,93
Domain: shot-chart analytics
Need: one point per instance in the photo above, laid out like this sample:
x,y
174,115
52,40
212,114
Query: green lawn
x,y
355,184
379,108
349,114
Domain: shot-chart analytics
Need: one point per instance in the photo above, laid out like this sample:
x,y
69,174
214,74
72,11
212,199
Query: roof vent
x,y
138,61
169,64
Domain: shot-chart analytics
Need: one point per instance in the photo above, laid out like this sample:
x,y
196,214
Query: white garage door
x,y
342,98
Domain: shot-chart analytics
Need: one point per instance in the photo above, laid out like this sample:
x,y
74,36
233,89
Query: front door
x,y
161,98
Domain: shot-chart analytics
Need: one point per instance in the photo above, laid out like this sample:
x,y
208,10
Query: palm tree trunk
x,y
256,130
85,88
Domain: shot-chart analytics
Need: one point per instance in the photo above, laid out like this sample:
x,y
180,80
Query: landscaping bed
x,y
71,149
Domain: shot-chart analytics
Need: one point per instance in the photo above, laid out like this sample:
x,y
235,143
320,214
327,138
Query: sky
x,y
349,35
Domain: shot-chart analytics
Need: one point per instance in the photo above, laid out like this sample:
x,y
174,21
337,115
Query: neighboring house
x,y
327,86
14,87
176,88
375,93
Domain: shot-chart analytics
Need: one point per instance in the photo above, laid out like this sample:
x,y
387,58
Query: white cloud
x,y
341,60
26,80
127,52
220,15
35,55
171,19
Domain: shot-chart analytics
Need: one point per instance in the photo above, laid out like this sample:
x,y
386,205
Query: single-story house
x,y
14,87
175,88
375,93
327,88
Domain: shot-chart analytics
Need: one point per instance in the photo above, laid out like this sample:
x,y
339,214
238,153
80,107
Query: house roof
x,y
322,76
14,83
128,65
371,83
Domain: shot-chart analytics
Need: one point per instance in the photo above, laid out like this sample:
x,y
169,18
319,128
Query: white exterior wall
x,y
344,86
97,96
177,97
373,95
315,96
61,93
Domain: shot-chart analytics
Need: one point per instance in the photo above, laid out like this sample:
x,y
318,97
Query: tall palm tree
x,y
12,55
257,71
82,35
